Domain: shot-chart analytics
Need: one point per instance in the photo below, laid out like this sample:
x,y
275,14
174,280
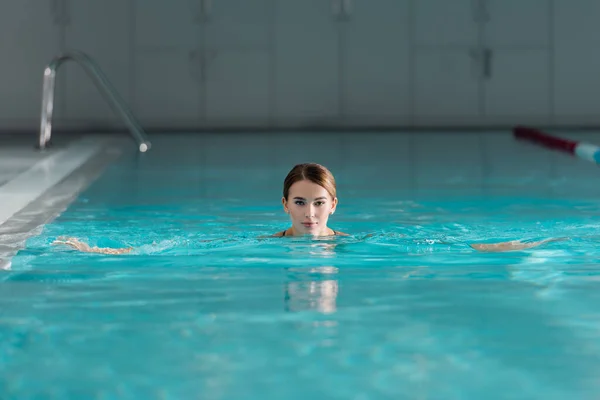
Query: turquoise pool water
x,y
403,308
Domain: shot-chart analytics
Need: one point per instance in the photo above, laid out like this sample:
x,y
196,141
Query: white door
x,y
517,88
101,30
576,62
30,33
516,23
517,85
167,63
168,89
445,23
307,51
236,62
376,63
446,63
447,86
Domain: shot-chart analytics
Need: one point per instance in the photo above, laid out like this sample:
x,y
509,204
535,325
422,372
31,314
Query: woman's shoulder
x,y
338,233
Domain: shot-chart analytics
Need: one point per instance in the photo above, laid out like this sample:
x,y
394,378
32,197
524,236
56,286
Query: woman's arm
x,y
513,245
84,247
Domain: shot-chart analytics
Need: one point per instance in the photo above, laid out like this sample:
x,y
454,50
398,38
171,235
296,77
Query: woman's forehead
x,y
307,189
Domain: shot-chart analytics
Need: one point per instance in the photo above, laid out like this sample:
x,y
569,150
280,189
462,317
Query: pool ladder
x,y
101,82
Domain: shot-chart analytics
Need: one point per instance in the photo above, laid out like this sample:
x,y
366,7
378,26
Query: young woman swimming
x,y
310,198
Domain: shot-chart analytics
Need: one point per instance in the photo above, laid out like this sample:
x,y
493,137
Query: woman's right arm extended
x,y
84,247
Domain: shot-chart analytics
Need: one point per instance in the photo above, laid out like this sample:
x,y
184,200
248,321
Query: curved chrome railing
x,y
101,81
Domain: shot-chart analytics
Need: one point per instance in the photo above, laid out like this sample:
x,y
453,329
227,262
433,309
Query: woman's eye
x,y
299,203
319,203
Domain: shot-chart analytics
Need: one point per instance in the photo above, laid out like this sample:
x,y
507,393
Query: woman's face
x,y
309,206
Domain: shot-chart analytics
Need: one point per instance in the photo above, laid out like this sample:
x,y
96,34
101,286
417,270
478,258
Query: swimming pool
x,y
205,309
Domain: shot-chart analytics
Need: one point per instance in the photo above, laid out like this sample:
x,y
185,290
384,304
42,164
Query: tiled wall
x,y
190,64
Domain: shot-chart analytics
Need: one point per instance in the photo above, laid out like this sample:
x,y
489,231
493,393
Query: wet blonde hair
x,y
315,173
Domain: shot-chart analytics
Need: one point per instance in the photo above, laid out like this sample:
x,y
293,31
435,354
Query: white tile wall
x,y
281,63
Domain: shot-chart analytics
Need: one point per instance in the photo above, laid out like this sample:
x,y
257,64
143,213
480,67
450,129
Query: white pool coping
x,y
49,177
24,188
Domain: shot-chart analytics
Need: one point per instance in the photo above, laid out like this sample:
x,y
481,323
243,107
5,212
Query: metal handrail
x,y
101,81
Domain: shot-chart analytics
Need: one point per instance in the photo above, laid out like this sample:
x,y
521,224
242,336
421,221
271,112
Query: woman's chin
x,y
309,230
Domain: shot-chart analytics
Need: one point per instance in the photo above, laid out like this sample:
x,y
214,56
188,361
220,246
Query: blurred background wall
x,y
276,64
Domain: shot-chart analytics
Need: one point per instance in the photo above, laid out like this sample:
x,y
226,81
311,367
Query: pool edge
x,y
31,219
